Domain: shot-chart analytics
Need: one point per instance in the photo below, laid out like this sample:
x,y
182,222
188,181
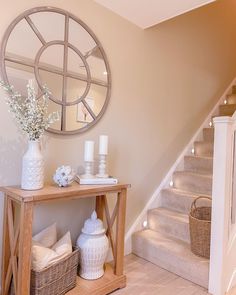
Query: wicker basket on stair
x,y
200,228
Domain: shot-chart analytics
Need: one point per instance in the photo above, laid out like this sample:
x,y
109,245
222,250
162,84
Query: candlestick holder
x,y
102,167
88,170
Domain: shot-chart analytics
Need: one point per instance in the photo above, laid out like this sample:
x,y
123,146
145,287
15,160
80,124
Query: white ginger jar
x,y
32,177
93,245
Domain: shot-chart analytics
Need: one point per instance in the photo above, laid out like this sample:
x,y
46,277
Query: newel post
x,y
221,191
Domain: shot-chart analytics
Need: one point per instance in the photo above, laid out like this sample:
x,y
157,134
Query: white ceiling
x,y
147,13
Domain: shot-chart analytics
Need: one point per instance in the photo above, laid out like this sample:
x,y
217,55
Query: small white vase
x,y
32,167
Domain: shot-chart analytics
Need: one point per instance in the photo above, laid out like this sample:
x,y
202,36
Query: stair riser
x,y
208,134
165,259
174,202
182,204
231,99
227,110
204,149
193,183
167,225
195,164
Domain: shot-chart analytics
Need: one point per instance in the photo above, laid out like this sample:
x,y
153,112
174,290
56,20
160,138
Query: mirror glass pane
x,y
75,89
83,115
80,38
75,117
97,67
54,107
54,31
98,95
18,75
52,57
75,64
53,83
23,43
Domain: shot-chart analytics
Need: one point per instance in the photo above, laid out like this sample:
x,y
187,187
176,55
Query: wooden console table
x,y
17,235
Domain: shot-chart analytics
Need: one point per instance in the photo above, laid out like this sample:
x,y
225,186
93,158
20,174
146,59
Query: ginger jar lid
x,y
93,225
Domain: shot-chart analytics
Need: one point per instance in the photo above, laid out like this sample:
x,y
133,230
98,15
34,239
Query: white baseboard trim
x,y
153,201
232,282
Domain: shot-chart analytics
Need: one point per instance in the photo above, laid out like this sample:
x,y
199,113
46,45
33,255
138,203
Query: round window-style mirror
x,y
57,49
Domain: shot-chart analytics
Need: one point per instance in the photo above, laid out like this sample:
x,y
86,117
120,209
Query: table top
x,y
53,192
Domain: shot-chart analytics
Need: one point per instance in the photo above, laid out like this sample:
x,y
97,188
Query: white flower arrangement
x,y
30,112
64,176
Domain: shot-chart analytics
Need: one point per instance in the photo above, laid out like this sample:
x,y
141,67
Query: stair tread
x,y
227,109
198,163
228,105
193,181
204,142
231,98
171,254
232,94
194,173
180,201
172,244
179,217
199,157
186,193
210,128
168,221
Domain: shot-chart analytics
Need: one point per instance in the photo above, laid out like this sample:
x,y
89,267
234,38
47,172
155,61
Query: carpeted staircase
x,y
166,242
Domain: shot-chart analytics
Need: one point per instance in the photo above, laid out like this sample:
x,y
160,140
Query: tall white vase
x,y
32,167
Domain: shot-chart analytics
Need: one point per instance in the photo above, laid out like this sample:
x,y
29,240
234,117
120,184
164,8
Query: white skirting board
x,y
154,199
232,282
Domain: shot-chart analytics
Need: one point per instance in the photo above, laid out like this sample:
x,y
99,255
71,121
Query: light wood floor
x,y
145,278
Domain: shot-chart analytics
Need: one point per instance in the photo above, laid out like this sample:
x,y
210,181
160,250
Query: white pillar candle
x,y
103,144
88,150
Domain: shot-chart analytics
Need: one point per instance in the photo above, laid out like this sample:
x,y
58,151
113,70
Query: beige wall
x,y
165,80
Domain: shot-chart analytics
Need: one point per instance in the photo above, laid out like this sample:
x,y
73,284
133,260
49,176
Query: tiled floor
x,y
145,278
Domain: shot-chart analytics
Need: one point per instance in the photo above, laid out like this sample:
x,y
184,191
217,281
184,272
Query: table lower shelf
x,y
105,285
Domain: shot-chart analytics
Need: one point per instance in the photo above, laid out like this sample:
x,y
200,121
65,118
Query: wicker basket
x,y
56,279
200,229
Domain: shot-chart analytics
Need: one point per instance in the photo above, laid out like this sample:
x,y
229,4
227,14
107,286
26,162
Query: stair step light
x,y
145,223
171,183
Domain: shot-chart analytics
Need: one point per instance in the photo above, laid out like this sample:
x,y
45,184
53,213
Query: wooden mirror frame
x,y
26,15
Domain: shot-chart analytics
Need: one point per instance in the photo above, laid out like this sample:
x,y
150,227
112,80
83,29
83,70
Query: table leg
x,y
25,243
120,232
6,245
100,207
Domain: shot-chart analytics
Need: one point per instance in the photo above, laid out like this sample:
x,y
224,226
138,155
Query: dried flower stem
x,y
30,112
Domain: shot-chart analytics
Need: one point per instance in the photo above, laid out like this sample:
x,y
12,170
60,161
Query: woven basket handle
x,y
193,206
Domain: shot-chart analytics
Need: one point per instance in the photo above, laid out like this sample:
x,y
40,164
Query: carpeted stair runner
x,y
166,241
